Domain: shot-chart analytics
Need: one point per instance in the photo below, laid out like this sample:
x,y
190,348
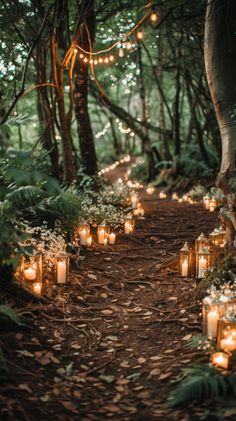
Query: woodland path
x,y
110,344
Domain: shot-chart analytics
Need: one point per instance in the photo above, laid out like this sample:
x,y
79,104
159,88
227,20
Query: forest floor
x,y
112,343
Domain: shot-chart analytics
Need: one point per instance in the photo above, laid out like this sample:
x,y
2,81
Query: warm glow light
x,y
96,61
111,58
85,60
139,35
106,60
81,55
100,60
153,16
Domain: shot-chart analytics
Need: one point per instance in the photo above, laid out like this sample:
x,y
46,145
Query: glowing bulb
x,y
121,52
75,50
111,58
153,16
106,60
81,55
95,61
85,60
100,60
91,61
139,35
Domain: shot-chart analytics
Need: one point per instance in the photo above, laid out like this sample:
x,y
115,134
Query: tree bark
x,y
86,140
220,62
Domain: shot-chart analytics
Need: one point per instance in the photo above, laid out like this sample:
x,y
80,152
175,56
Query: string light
x,y
154,16
114,165
139,35
120,127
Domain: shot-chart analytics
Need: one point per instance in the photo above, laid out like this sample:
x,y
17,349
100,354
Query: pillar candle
x,y
228,344
89,241
202,266
112,238
128,228
61,272
105,242
37,288
220,359
83,235
29,274
185,268
134,201
212,323
101,236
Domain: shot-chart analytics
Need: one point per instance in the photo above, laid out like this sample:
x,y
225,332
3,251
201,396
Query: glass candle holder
x,y
37,288
89,241
111,238
206,201
201,242
175,196
220,359
226,338
139,211
217,237
184,260
212,310
203,260
31,268
61,265
84,232
102,233
129,224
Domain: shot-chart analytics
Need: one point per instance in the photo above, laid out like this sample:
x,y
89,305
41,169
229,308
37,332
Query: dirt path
x,y
112,342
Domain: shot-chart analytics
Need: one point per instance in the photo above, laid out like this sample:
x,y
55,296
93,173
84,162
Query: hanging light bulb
x,y
128,45
121,52
139,35
111,57
91,61
85,60
153,16
100,60
75,50
81,55
106,60
95,61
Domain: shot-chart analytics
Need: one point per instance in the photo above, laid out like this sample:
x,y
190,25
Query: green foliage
x,y
8,316
197,192
202,383
139,170
223,272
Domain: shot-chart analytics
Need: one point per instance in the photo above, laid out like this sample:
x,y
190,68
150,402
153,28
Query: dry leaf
x,y
70,406
187,337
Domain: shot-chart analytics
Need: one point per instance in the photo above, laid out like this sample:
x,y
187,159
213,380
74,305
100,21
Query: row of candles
x,y
219,323
30,271
30,267
200,259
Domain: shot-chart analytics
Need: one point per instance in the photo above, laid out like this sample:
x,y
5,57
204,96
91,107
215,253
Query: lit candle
x,y
83,235
136,212
202,266
112,238
185,197
206,203
162,195
37,288
61,272
228,344
128,228
212,323
185,268
105,242
150,190
134,201
89,241
180,200
101,236
30,274
220,359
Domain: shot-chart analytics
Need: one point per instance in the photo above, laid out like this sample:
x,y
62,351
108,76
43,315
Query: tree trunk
x,y
116,143
220,62
86,140
45,111
147,147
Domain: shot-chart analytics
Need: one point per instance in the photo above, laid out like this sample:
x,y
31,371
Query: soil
x,y
112,343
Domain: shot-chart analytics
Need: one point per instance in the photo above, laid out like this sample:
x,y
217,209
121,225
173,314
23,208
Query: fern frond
x,y
7,314
202,383
25,194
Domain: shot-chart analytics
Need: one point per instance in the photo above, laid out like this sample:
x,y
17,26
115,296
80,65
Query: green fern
x,y
201,383
25,194
7,315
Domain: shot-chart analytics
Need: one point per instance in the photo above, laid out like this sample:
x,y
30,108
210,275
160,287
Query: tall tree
x,y
220,62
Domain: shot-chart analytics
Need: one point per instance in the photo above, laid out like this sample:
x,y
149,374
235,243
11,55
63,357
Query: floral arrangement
x,y
95,212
